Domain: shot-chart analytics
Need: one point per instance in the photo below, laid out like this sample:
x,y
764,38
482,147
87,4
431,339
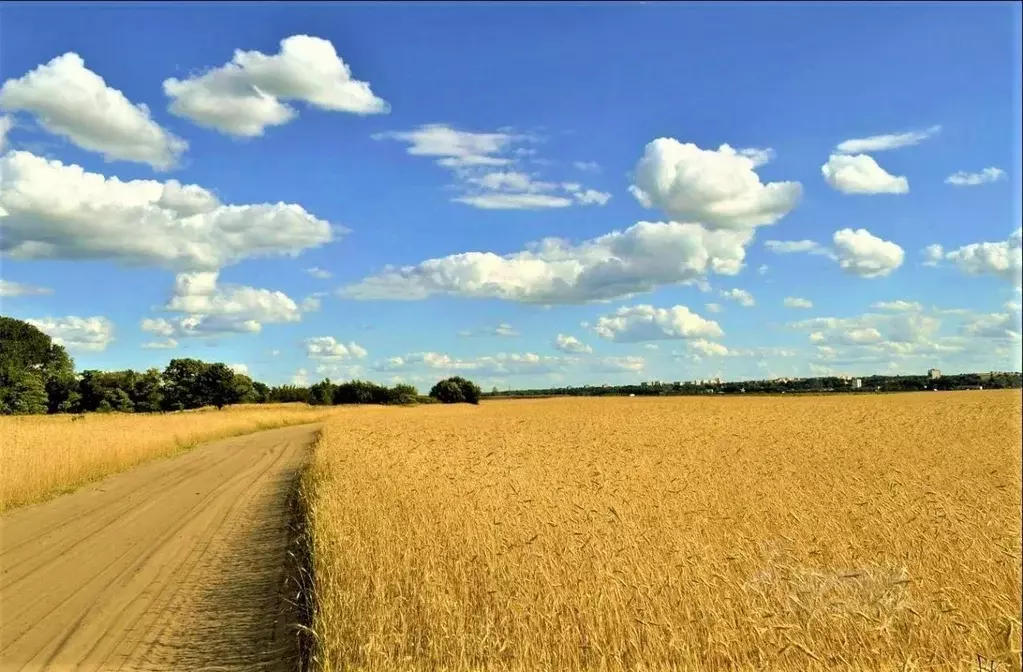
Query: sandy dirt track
x,y
178,564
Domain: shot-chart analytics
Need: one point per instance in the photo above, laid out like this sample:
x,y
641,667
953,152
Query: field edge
x,y
178,449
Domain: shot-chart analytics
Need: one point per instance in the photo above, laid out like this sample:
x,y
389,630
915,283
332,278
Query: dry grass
x,y
820,533
42,456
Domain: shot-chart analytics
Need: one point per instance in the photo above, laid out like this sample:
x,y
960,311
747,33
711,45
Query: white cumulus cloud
x,y
861,174
207,308
327,347
717,188
74,102
571,344
740,296
92,334
50,210
554,271
248,94
647,323
1003,259
862,253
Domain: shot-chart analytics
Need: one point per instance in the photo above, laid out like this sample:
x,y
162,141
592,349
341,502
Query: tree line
x,y
38,376
822,385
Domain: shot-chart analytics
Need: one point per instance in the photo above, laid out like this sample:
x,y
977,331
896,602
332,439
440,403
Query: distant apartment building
x,y
857,383
933,374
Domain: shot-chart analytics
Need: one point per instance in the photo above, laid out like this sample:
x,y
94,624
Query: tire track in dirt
x,y
178,564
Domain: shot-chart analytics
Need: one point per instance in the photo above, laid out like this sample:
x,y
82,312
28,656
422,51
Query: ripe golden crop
x,y
873,532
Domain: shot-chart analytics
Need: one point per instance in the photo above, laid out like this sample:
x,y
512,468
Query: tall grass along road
x,y
175,565
43,456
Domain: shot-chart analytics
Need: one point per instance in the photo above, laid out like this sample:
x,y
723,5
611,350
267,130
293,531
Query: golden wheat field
x,y
41,456
867,532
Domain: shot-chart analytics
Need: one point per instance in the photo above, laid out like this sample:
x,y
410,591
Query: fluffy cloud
x,y
210,309
326,347
964,179
1003,259
877,337
796,302
571,344
91,334
740,296
242,369
497,365
713,308
56,211
861,253
72,101
9,289
708,348
860,174
718,188
857,252
554,271
898,305
246,95
646,323
878,143
483,165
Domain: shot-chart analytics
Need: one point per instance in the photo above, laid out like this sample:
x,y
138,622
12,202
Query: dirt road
x,y
176,565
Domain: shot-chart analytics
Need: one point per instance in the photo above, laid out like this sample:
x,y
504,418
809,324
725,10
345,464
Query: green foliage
x,y
216,386
404,394
260,393
27,393
183,384
322,394
29,357
456,390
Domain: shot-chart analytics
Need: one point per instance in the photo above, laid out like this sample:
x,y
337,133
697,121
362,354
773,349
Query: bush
x,y
456,390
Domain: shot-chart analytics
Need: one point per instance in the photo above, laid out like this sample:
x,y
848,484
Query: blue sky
x,y
527,194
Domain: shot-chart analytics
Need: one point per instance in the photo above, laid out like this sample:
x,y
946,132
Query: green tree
x,y
471,392
184,384
322,393
147,394
27,393
26,349
217,384
261,392
244,390
448,391
404,394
